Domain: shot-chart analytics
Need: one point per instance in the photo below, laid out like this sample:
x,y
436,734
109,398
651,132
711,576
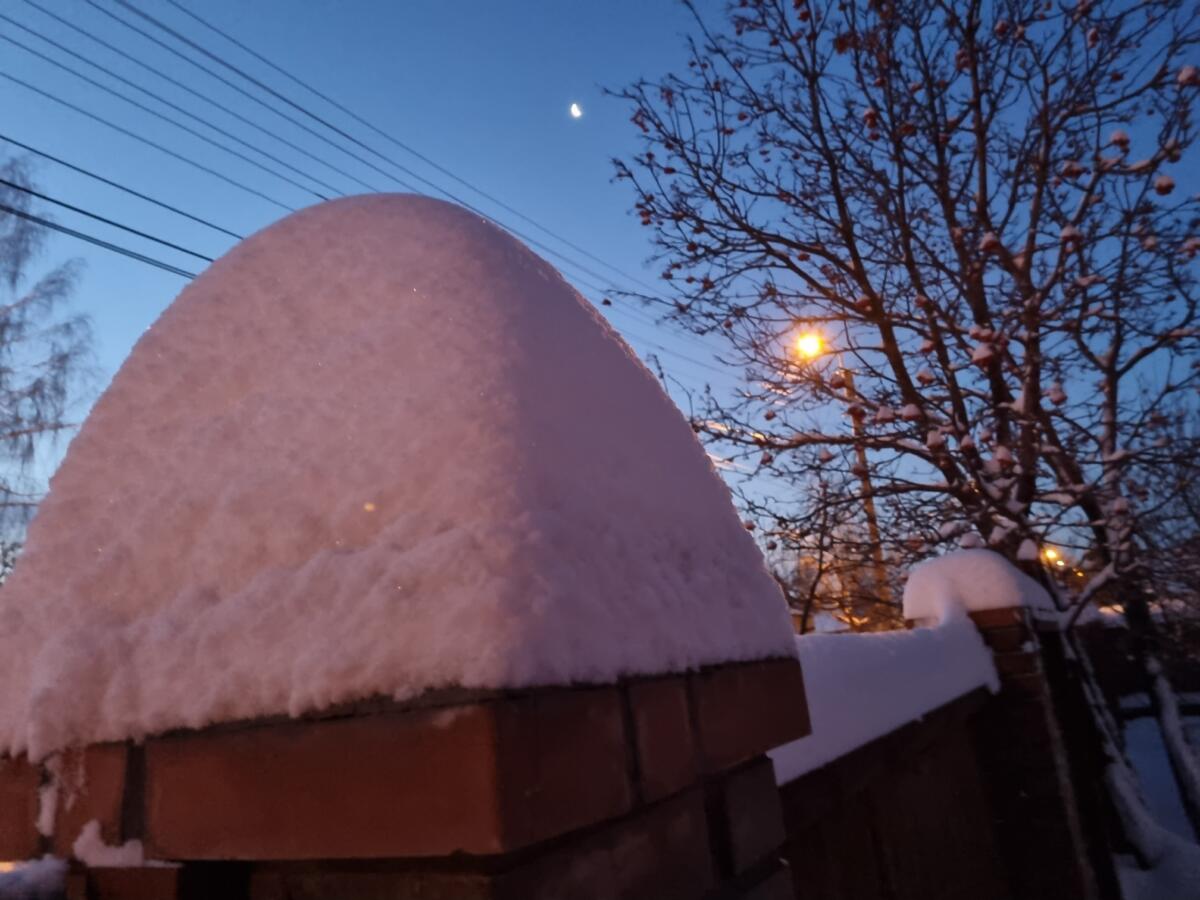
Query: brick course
x,y
19,781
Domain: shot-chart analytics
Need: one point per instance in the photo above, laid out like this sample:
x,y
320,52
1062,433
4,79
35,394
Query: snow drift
x,y
377,448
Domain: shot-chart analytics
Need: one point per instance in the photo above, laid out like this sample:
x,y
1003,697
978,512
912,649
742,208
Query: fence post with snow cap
x,y
455,640
1018,736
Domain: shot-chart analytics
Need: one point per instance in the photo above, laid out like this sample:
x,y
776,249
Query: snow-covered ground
x,y
377,448
1146,753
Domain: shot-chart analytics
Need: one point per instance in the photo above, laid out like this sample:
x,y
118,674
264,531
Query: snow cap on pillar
x,y
969,581
379,447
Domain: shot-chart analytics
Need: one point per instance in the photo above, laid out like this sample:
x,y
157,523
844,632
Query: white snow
x,y
863,686
378,448
1183,757
89,848
1174,863
1150,762
41,879
983,353
973,580
47,807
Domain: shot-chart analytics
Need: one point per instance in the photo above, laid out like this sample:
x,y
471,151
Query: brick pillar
x,y
1024,764
650,788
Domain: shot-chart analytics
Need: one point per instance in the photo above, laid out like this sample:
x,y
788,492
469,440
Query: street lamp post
x,y
810,345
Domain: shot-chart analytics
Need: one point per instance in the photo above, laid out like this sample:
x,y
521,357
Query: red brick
x,y
1028,685
91,785
480,778
986,619
328,882
776,886
419,783
1009,639
19,781
744,710
663,736
660,852
1016,664
146,883
562,763
752,814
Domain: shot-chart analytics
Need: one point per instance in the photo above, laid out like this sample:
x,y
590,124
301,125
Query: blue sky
x,y
481,88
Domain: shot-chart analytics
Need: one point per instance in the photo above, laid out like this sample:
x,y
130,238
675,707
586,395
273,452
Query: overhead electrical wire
x,y
159,115
147,141
99,242
407,148
120,187
248,95
183,39
340,132
91,215
201,96
346,135
74,54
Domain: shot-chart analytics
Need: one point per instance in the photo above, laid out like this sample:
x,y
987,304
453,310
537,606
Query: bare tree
x,y
965,218
43,349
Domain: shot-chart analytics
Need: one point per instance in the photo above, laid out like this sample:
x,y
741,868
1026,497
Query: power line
x,y
83,212
402,145
334,128
165,102
339,131
255,99
347,136
147,109
119,187
115,248
195,93
147,141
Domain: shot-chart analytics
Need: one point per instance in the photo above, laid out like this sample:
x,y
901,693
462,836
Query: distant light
x,y
1050,553
369,506
576,111
809,344
1059,562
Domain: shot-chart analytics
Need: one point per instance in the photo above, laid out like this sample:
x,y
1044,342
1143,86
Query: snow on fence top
x,y
973,580
863,686
377,448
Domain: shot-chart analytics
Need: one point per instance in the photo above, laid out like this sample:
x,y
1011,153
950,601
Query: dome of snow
x,y
377,448
971,580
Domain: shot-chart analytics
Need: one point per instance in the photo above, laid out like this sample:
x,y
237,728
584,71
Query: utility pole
x,y
811,345
882,588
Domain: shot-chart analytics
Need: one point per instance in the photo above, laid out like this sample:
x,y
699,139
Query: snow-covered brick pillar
x,y
384,566
1017,735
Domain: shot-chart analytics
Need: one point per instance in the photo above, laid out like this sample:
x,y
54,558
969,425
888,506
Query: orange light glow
x,y
810,344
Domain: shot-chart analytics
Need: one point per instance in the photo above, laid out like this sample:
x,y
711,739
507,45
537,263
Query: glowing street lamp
x,y
810,345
